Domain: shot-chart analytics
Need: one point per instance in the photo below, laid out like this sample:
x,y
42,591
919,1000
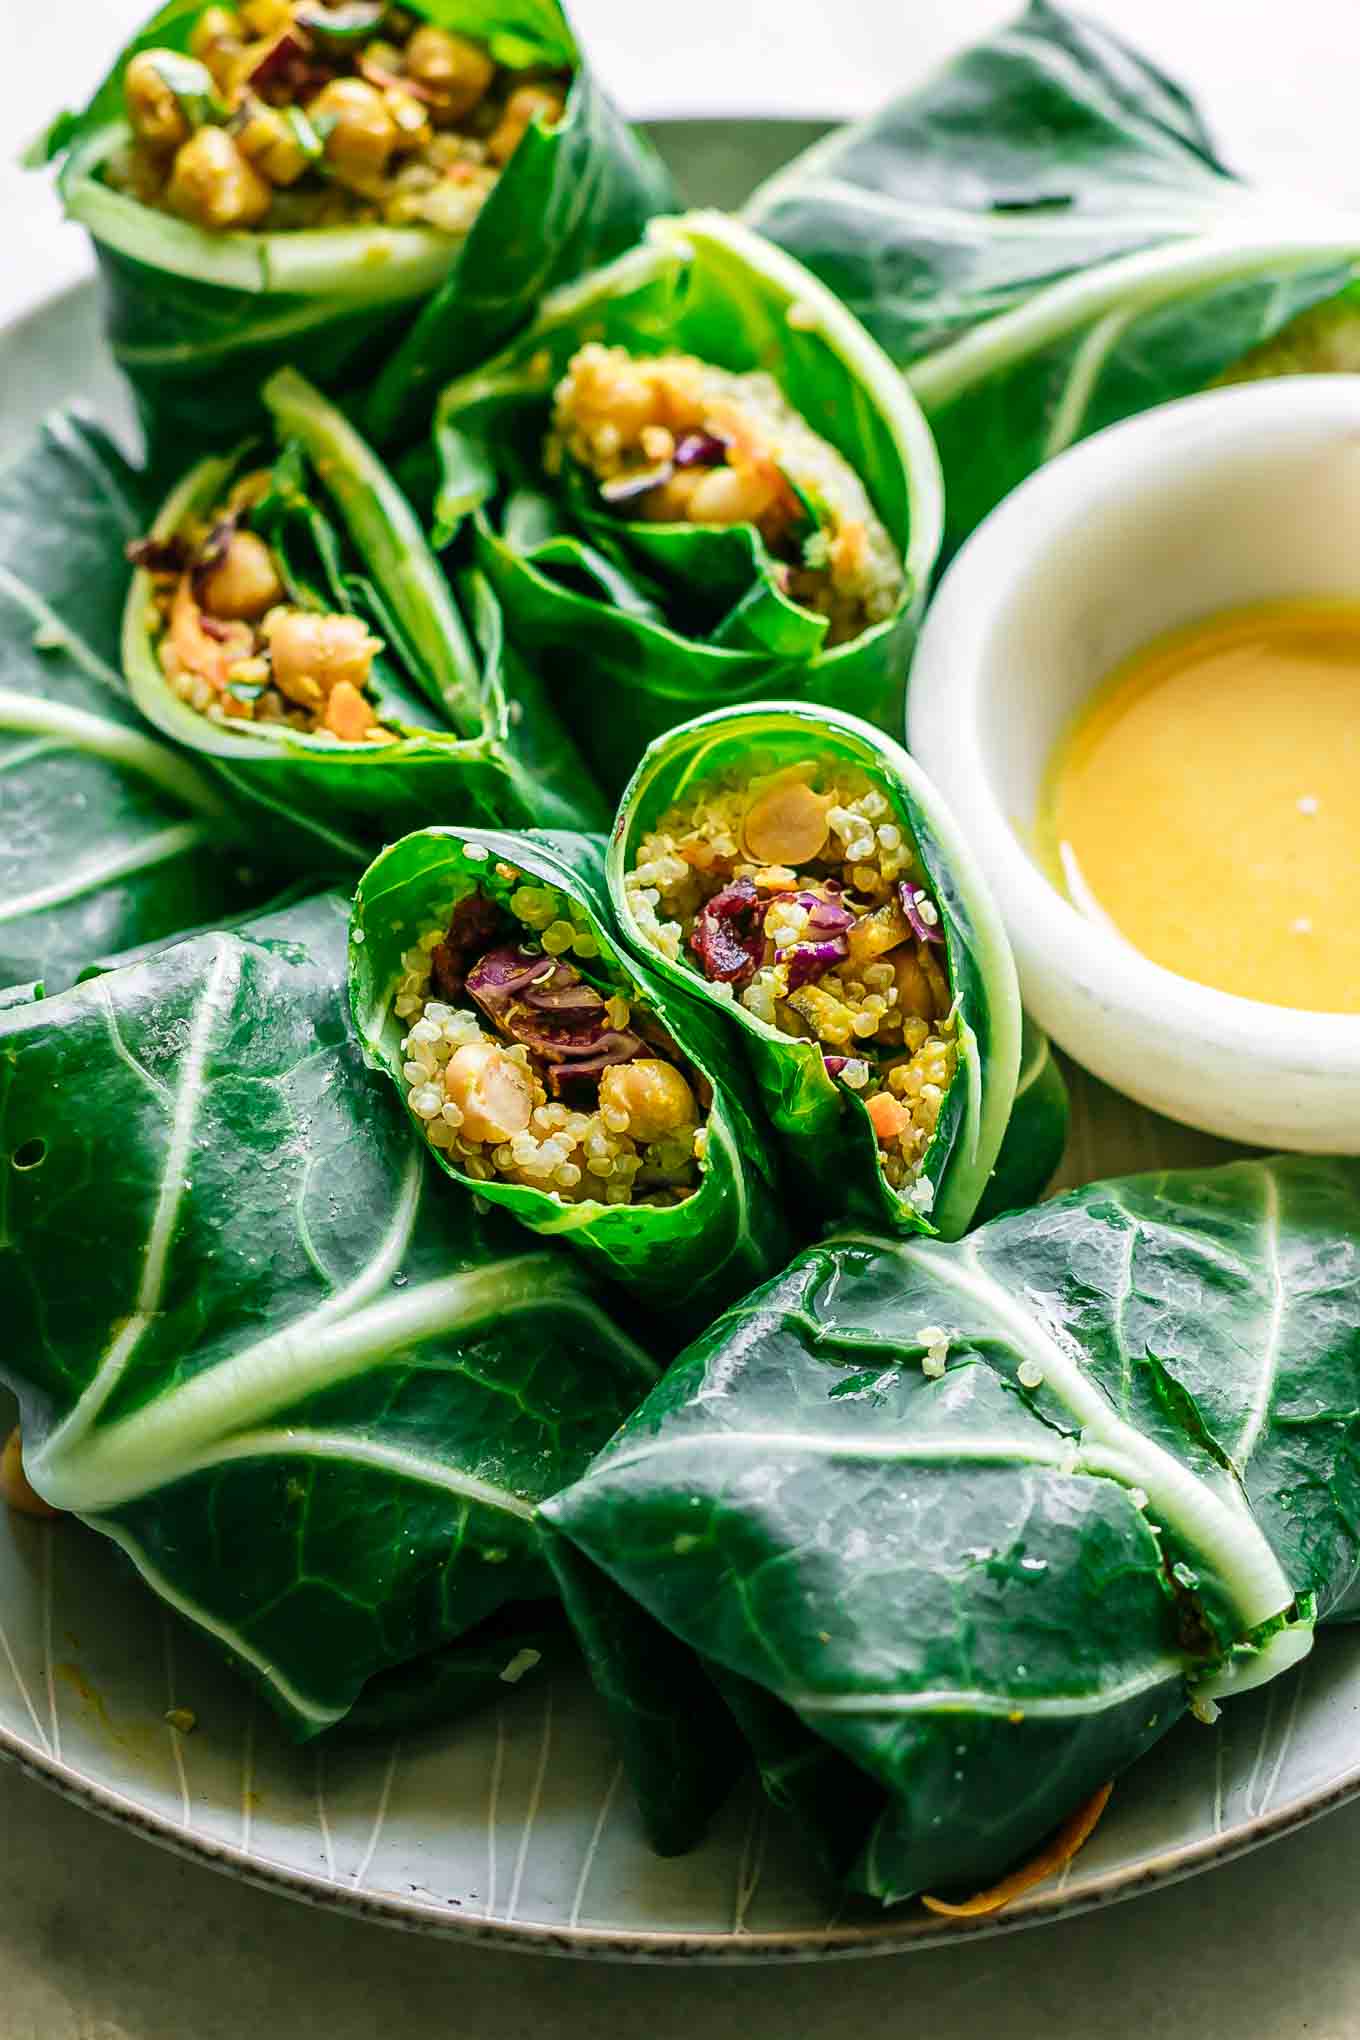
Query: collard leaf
x,y
301,1382
474,734
830,1147
1036,1132
620,673
197,320
686,1260
991,1588
109,837
1044,238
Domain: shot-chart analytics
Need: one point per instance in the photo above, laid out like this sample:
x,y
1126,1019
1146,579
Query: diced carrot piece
x,y
209,657
889,1115
1054,1856
14,1487
348,715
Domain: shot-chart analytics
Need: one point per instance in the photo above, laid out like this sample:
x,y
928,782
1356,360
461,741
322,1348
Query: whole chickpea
x,y
653,1093
523,105
271,143
310,653
731,495
457,71
218,40
212,185
245,581
359,129
154,114
491,1090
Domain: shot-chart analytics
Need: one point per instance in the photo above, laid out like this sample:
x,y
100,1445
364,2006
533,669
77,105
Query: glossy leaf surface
x,y
988,1592
257,1342
1044,238
109,837
1036,1132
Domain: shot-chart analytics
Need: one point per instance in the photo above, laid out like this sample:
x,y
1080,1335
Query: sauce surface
x,y
1207,802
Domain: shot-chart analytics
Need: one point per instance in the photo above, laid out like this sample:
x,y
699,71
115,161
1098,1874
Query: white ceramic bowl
x,y
1240,495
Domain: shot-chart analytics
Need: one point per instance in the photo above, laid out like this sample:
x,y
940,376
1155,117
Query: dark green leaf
x,y
1044,238
109,837
257,1342
1136,1483
1036,1132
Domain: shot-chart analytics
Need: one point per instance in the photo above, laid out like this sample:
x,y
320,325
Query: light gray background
x,y
105,1938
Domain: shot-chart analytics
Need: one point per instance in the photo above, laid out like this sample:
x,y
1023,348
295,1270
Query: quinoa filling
x,y
288,114
671,439
232,645
798,892
530,1059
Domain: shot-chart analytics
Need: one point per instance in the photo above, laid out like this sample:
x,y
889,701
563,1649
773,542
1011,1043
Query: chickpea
x,y
212,185
267,17
359,129
733,495
491,1090
245,581
348,716
271,144
154,114
14,1487
218,40
653,1093
311,654
457,71
522,107
786,824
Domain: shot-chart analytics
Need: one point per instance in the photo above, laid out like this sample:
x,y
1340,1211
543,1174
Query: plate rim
x,y
900,1930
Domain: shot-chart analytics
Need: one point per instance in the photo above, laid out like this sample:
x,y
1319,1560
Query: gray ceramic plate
x,y
515,1827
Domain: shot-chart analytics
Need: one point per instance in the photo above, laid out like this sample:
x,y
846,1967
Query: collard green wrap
x,y
688,1260
1044,237
1036,1132
476,738
256,1342
948,1604
638,626
198,319
830,1148
110,837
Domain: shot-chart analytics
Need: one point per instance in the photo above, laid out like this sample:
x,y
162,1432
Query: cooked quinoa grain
x,y
529,1059
287,114
798,893
674,440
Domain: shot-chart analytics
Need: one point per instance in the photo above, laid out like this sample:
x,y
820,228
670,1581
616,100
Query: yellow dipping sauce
x,y
1207,802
